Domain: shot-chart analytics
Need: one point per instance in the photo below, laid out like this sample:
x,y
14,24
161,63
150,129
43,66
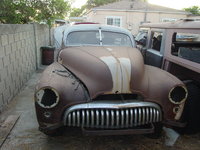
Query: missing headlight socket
x,y
47,114
47,97
175,110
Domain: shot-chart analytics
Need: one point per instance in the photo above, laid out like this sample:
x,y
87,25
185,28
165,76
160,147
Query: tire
x,y
157,131
55,132
192,110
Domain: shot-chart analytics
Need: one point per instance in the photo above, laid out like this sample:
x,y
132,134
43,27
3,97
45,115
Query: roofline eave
x,y
126,10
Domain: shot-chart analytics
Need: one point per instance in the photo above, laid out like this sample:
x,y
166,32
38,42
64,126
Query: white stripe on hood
x,y
120,69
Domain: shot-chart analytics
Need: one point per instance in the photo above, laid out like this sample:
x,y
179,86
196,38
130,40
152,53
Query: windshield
x,y
105,38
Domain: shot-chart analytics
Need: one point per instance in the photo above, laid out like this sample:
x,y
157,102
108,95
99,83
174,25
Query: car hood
x,y
105,70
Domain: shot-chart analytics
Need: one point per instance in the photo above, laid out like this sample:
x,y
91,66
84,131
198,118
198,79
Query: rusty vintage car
x,y
100,84
175,47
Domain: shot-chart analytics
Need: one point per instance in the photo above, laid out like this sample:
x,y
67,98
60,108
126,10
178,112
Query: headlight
x,y
47,97
178,94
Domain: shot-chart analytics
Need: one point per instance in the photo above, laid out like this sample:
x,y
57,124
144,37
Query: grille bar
x,y
112,118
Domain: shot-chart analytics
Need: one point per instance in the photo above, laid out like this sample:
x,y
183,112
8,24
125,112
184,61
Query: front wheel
x,y
192,109
157,131
54,132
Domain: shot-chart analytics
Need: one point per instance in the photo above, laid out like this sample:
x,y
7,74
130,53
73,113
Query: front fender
x,y
69,88
160,83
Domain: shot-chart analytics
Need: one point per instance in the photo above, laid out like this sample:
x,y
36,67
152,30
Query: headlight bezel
x,y
39,97
183,99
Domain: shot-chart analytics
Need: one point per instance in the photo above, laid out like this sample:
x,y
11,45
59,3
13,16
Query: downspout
x,y
49,35
145,13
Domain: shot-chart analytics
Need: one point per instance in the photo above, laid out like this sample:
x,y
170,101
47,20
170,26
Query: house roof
x,y
137,5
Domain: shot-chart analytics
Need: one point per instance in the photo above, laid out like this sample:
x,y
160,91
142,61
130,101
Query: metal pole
x,y
145,13
35,42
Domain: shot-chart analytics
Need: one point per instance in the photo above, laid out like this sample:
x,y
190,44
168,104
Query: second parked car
x,y
175,47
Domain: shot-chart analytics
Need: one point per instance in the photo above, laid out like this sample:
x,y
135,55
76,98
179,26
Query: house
x,y
132,13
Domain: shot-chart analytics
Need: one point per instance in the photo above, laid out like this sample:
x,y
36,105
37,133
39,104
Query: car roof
x,y
180,24
85,23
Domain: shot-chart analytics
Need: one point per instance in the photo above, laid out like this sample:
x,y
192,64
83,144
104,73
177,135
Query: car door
x,y
154,53
141,40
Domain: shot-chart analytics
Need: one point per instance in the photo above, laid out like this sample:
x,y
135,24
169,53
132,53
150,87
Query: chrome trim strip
x,y
107,118
83,117
147,113
131,117
102,118
73,119
78,118
127,118
112,118
158,117
112,105
92,118
151,115
122,118
112,115
135,117
154,113
143,116
117,118
140,116
69,120
87,118
97,117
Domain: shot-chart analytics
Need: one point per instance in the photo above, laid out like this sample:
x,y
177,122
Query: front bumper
x,y
106,115
49,127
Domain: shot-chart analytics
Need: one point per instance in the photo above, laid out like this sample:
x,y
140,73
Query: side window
x,y
186,46
156,40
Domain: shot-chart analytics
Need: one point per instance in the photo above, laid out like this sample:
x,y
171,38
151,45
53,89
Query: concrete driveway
x,y
25,134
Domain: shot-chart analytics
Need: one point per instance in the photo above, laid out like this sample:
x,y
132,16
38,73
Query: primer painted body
x,y
85,73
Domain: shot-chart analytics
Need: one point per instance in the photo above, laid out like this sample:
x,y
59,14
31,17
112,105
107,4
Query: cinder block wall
x,y
19,56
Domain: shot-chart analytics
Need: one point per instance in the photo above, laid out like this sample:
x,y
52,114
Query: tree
x,y
76,12
25,11
13,12
96,3
194,10
49,10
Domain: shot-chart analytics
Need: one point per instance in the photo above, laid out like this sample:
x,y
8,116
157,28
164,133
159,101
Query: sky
x,y
78,3
177,4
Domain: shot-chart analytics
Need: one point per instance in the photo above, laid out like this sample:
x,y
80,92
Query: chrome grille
x,y
112,117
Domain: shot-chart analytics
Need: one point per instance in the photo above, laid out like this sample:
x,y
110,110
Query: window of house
x,y
186,46
168,20
156,40
113,20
